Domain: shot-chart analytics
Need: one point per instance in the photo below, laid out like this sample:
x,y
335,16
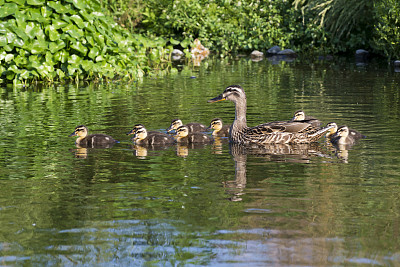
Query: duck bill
x,y
170,129
216,99
130,132
73,134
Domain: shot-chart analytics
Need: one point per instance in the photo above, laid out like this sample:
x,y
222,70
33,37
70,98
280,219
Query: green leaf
x,y
61,56
79,47
36,15
20,18
58,24
21,60
35,2
73,31
19,42
52,32
74,59
94,52
3,40
8,9
78,21
19,2
78,4
87,65
56,46
38,46
11,37
174,42
19,32
46,11
3,29
58,7
9,57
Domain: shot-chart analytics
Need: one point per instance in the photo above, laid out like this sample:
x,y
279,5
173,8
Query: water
x,y
209,205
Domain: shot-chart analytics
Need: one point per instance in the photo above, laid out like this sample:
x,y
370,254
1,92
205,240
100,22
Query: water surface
x,y
208,205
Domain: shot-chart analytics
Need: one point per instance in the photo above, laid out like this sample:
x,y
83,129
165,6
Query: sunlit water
x,y
210,205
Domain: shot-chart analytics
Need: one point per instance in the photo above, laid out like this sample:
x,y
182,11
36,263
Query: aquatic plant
x,y
70,39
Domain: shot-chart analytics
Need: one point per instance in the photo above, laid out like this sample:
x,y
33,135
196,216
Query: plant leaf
x,y
8,9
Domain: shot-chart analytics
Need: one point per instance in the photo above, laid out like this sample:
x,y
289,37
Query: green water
x,y
209,205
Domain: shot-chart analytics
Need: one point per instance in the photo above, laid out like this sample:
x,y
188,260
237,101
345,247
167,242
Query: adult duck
x,y
268,133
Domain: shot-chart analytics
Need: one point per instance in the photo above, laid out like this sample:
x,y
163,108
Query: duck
x,y
220,129
280,132
140,126
342,137
193,126
356,135
142,137
184,136
93,140
300,115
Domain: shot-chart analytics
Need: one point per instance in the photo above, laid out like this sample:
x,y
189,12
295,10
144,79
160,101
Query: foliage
x,y
387,28
347,23
53,40
229,26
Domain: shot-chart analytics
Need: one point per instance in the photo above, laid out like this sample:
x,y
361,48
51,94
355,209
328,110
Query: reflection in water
x,y
182,150
300,153
142,151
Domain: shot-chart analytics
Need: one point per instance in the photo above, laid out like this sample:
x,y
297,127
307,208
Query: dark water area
x,y
216,204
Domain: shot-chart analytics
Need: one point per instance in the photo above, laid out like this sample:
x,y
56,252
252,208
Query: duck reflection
x,y
300,153
142,151
182,150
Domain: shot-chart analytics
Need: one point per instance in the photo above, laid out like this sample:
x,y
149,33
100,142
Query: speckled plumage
x,y
268,133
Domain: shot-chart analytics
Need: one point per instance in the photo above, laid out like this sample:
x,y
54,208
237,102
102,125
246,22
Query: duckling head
x,y
232,93
136,128
175,124
216,124
140,134
182,131
81,131
342,131
299,116
332,130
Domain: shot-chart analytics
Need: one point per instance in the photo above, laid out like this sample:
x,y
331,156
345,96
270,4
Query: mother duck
x,y
278,132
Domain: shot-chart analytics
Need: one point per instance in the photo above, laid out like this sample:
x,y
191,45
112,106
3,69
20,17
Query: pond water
x,y
205,205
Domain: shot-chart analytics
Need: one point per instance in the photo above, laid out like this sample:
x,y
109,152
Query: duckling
x,y
342,137
280,132
301,116
193,126
140,126
93,140
142,137
219,129
353,133
183,136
